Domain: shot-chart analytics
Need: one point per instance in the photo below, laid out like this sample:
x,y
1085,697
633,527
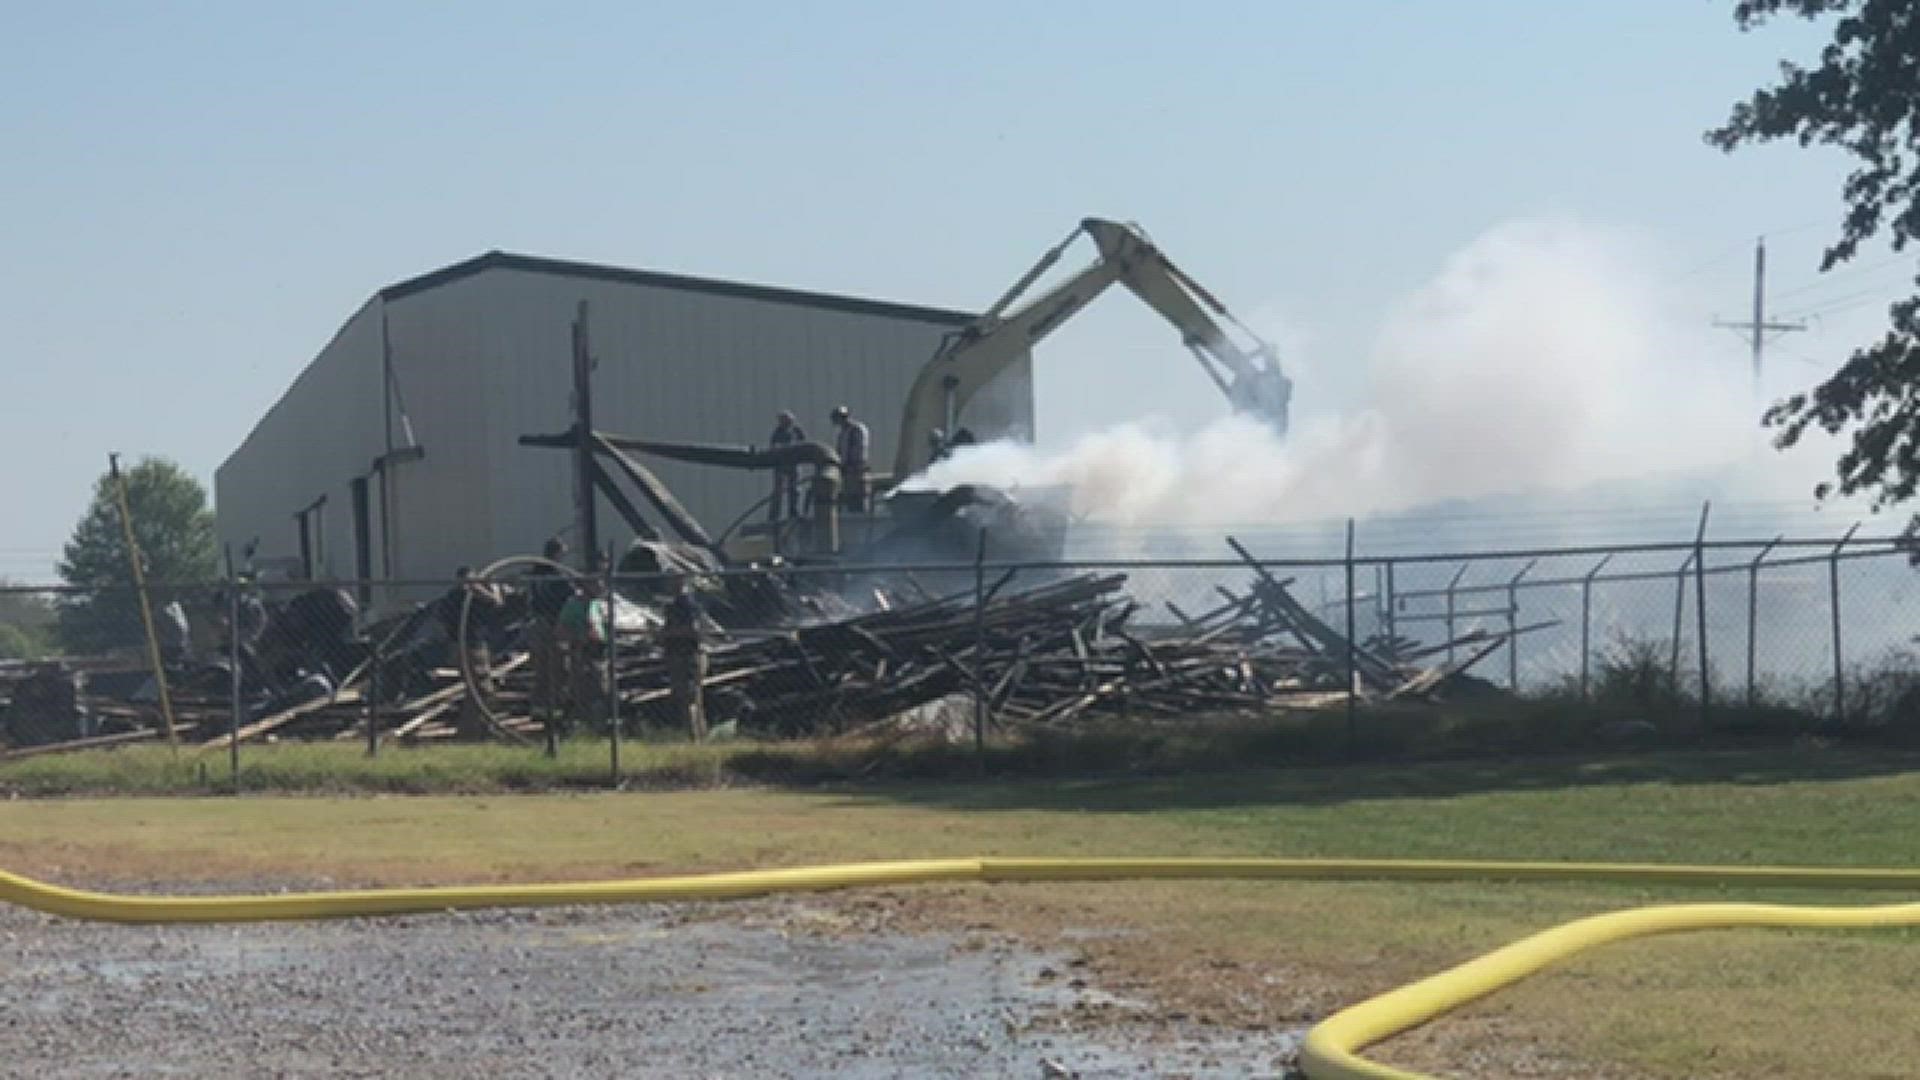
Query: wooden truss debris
x,y
1059,651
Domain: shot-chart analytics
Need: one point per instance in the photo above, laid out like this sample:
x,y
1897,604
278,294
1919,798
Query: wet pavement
x,y
772,988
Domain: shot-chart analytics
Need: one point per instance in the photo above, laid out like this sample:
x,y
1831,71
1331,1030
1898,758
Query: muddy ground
x,y
789,987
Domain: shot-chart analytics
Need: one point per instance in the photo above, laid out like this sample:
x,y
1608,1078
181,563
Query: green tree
x,y
1862,95
26,623
17,643
172,525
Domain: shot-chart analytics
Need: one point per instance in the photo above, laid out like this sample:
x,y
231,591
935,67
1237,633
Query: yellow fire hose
x,y
1331,1048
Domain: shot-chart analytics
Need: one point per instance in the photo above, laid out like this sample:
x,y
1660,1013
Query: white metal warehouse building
x,y
395,453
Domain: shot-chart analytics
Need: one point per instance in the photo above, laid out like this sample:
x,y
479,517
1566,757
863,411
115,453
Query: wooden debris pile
x,y
1258,651
1073,649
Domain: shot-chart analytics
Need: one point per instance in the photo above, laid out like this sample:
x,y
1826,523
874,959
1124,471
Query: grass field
x,y
335,767
1726,1004
1204,746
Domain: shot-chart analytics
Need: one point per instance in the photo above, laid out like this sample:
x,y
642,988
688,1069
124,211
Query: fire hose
x,y
1331,1049
476,698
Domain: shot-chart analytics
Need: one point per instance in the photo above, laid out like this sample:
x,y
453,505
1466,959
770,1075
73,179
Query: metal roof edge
x,y
504,260
261,420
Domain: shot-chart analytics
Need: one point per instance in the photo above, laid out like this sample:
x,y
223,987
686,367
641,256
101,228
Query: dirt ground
x,y
1159,988
1115,978
791,987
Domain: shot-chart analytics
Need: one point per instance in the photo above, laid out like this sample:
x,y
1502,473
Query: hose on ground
x,y
1331,1049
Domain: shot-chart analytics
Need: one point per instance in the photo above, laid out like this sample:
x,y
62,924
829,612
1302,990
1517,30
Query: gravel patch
x,y
773,988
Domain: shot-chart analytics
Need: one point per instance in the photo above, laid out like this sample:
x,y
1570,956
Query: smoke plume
x,y
1541,357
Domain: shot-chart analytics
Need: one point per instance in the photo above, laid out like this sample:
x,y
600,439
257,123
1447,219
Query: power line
x,y
1848,272
1729,252
1841,303
1735,248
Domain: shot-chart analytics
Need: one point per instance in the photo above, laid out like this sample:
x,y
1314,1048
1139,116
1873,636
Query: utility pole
x,y
1755,332
138,564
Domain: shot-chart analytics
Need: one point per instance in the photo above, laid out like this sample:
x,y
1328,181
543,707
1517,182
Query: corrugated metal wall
x,y
325,431
483,359
674,364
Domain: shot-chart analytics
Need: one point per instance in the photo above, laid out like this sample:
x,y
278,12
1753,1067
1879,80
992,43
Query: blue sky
x,y
196,199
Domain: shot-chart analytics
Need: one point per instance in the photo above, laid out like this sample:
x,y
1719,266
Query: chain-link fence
x,y
665,647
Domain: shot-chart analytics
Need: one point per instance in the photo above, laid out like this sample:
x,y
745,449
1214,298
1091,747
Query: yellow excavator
x,y
933,420
972,356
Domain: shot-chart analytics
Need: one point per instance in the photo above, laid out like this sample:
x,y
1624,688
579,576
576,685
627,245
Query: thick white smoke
x,y
1541,357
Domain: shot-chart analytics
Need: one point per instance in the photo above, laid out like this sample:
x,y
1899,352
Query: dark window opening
x,y
362,539
306,545
313,539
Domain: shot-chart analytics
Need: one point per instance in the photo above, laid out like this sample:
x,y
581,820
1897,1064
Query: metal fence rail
x,y
1821,624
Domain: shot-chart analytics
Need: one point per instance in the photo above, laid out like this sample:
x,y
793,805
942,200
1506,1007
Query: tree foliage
x,y
174,529
23,605
26,623
1862,96
17,643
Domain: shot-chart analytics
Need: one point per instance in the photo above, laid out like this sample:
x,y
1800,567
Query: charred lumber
x,y
281,719
649,485
662,499
622,505
94,743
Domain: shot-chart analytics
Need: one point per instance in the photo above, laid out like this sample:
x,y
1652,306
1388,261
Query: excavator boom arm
x,y
973,355
1167,289
970,358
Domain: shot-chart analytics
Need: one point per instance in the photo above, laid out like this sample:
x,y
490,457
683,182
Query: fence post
x,y
1753,612
1353,690
235,699
1513,625
1379,594
1679,610
1839,666
1700,612
373,698
980,651
613,677
1393,634
1586,626
1451,586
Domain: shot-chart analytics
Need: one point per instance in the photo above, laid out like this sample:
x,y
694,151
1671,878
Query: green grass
x,y
1816,807
336,767
1411,733
342,766
1730,1004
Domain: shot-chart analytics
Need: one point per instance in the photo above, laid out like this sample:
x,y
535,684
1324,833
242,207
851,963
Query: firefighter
x,y
852,445
786,478
683,641
583,635
481,604
547,593
175,633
